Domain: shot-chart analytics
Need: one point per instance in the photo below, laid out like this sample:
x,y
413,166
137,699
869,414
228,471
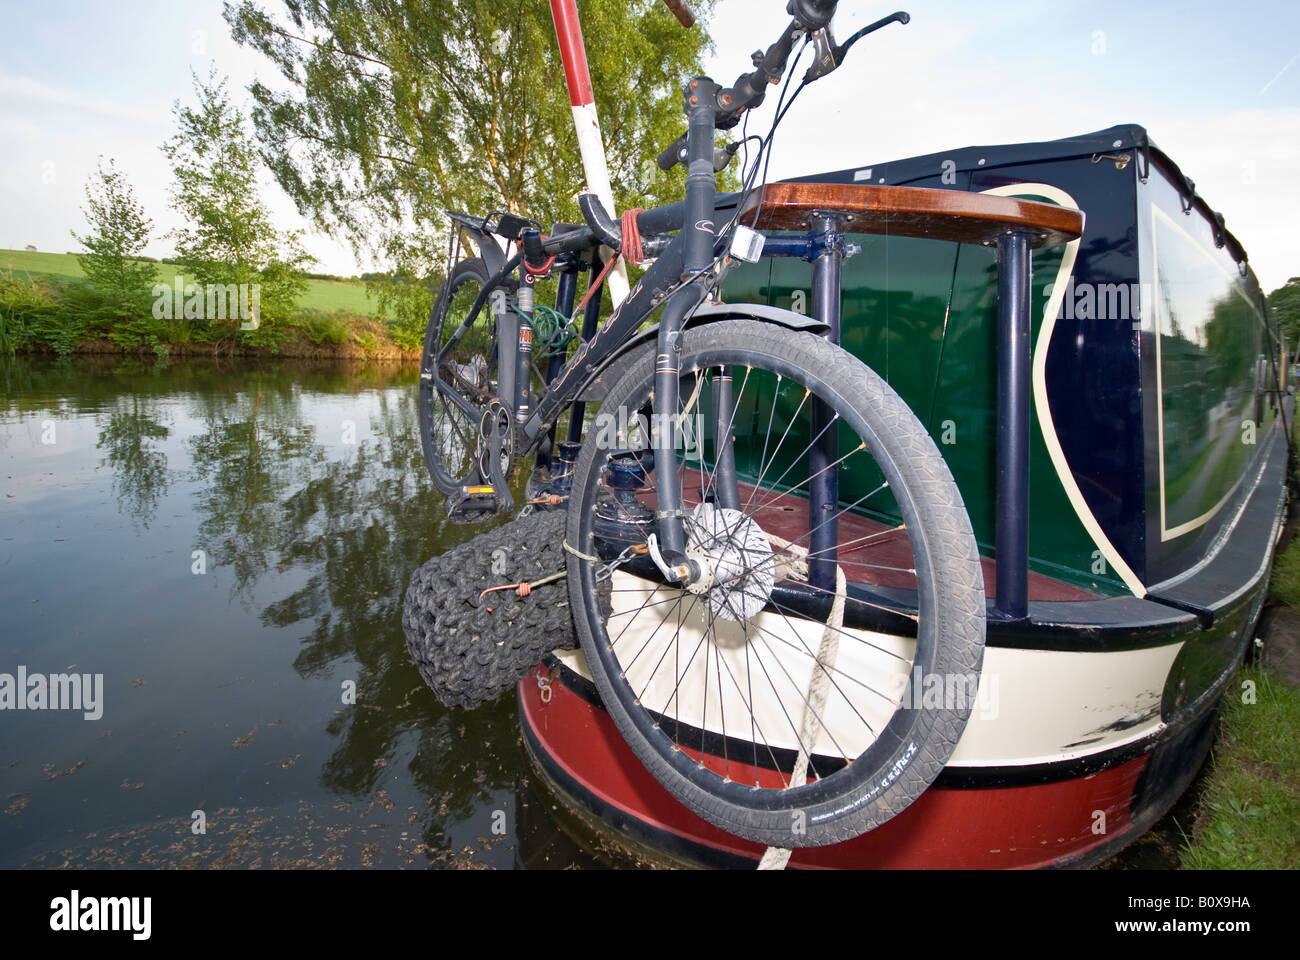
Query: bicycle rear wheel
x,y
748,696
448,434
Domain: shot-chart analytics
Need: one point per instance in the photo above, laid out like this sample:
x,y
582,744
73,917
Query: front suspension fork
x,y
699,231
668,489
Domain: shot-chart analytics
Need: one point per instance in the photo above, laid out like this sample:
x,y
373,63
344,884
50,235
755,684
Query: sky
x,y
1216,85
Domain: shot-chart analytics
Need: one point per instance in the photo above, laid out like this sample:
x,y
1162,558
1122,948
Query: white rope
x,y
776,858
791,567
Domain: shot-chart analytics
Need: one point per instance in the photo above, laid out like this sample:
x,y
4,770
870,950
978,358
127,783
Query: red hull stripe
x,y
1015,827
572,51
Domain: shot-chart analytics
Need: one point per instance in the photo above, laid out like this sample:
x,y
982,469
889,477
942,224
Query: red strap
x,y
632,248
595,285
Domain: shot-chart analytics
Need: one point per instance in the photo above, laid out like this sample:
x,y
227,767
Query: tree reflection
x,y
321,539
351,526
140,475
253,449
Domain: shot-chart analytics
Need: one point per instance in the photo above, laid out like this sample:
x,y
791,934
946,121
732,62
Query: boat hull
x,y
1044,816
1158,472
1126,690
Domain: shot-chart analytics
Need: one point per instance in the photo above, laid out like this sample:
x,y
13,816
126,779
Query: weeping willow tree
x,y
387,113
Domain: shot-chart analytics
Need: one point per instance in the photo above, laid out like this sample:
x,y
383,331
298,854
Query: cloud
x,y
54,138
22,93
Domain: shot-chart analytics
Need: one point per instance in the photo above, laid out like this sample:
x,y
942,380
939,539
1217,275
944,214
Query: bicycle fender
x,y
627,355
494,258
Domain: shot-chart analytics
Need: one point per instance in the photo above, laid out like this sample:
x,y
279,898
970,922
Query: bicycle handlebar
x,y
654,224
671,155
750,89
675,153
811,14
810,17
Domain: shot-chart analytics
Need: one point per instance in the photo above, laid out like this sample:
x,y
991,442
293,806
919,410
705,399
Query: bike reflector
x,y
747,244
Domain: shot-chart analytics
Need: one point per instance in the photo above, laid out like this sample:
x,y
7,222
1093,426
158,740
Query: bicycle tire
x,y
449,439
907,754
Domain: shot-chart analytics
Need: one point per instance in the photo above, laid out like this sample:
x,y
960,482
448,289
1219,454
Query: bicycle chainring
x,y
496,444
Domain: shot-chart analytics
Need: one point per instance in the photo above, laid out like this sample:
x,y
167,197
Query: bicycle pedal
x,y
473,505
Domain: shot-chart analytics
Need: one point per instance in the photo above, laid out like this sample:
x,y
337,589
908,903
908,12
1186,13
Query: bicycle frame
x,y
684,264
677,282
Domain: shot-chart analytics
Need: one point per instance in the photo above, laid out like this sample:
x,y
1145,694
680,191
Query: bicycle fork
x,y
699,232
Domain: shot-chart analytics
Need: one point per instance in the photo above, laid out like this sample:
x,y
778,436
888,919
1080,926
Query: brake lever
x,y
828,56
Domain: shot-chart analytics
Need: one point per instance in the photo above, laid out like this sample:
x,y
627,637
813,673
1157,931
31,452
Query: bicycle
x,y
766,552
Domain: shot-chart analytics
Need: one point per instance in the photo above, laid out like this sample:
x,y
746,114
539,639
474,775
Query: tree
x,y
394,112
119,231
229,237
1284,304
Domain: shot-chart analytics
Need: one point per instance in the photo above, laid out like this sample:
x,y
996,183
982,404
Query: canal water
x,y
227,543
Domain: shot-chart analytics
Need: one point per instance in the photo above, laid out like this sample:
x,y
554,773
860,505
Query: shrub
x,y
321,327
34,314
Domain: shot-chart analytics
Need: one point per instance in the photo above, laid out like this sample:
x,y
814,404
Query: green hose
x,y
552,330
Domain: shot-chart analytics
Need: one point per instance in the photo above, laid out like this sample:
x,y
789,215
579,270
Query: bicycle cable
x,y
764,156
747,188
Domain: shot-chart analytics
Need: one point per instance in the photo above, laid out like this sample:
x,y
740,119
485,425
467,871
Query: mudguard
x,y
631,352
494,258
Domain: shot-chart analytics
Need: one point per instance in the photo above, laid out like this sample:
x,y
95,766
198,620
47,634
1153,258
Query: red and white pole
x,y
582,98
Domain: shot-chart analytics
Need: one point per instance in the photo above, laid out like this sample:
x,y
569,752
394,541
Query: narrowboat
x,y
1157,484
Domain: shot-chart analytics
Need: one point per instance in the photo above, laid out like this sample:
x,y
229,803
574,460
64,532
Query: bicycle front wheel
x,y
787,694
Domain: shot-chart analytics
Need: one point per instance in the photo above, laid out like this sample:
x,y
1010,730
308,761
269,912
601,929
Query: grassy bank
x,y
1250,808
322,295
1249,812
46,306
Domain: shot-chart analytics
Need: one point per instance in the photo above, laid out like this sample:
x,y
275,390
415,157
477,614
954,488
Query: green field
x,y
327,295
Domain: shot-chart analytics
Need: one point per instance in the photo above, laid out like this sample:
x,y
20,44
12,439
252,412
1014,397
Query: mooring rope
x,y
776,858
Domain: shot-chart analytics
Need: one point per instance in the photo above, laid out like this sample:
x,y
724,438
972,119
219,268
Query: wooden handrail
x,y
957,216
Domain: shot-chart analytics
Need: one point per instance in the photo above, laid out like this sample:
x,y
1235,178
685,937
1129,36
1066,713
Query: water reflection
x,y
129,440
304,489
